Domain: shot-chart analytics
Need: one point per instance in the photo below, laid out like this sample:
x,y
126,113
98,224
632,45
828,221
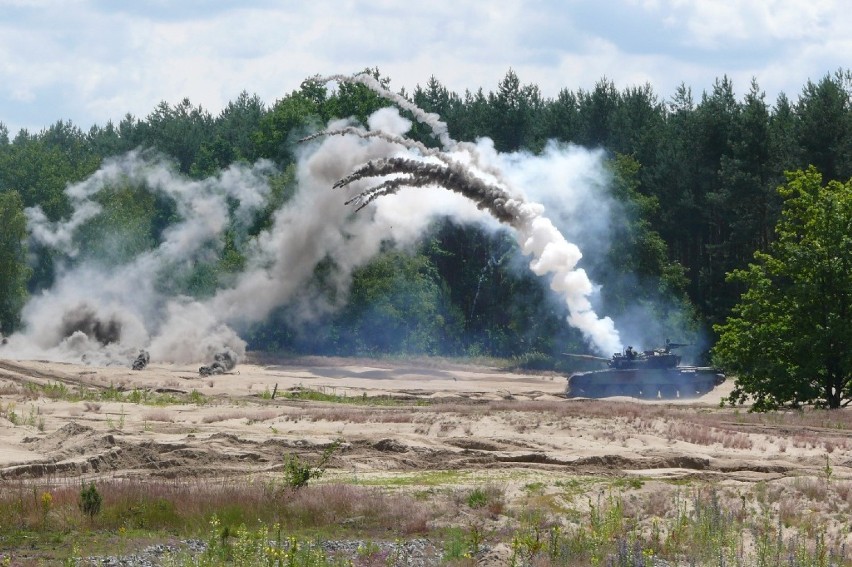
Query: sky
x,y
92,61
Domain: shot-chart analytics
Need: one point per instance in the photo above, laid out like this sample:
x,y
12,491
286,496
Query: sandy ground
x,y
493,426
444,415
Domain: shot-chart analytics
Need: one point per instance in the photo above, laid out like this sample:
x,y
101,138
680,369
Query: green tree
x,y
13,260
289,118
716,117
637,124
90,500
436,98
179,132
783,149
354,100
514,110
674,182
637,248
562,116
825,125
123,229
474,121
39,166
505,309
233,136
788,338
396,305
107,141
745,204
637,271
597,113
237,126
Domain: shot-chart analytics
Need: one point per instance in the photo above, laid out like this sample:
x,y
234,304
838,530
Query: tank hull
x,y
681,382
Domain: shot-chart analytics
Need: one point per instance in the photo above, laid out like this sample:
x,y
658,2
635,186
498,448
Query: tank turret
x,y
655,373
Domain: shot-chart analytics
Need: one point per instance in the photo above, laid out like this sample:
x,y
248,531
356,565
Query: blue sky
x,y
90,61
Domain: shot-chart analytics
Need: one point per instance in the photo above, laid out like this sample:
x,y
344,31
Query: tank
x,y
649,374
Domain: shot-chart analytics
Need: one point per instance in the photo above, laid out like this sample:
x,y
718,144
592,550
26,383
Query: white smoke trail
x,y
79,316
314,227
438,126
552,255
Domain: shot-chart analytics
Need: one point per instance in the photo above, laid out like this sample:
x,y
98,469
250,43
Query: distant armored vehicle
x,y
648,374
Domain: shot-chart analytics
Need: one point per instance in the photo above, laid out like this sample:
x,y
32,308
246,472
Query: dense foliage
x,y
788,338
13,267
696,179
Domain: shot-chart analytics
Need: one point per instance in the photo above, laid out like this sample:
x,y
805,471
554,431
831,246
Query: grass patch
x,y
308,394
111,393
39,517
424,478
260,523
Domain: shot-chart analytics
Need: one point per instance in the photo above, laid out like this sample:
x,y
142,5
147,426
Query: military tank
x,y
650,374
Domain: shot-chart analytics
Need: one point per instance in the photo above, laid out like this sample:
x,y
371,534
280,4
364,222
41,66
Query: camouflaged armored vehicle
x,y
652,374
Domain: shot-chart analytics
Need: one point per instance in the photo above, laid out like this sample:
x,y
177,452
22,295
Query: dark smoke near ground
x,y
222,362
83,319
142,360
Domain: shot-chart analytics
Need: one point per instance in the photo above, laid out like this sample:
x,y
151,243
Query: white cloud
x,y
713,23
95,60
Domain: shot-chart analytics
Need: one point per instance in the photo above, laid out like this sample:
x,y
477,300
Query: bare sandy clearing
x,y
431,427
436,416
475,417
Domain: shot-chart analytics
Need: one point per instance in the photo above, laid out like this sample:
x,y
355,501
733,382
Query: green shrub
x,y
90,500
534,361
298,473
477,498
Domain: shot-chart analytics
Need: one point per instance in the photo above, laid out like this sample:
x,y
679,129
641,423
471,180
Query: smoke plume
x,y
552,255
104,313
107,312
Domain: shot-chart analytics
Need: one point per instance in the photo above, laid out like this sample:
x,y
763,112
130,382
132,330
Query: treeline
x,y
697,178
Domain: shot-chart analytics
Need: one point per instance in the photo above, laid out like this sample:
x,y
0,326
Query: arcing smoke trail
x,y
106,314
438,127
452,176
538,237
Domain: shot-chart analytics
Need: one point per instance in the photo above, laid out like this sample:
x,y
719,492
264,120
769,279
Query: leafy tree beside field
x,y
14,271
788,340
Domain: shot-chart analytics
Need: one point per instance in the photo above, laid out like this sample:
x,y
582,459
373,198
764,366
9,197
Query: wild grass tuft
x,y
322,395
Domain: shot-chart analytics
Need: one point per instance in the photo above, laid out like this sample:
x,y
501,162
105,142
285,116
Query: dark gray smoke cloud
x,y
413,173
83,319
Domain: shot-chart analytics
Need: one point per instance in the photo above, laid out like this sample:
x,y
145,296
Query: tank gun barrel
x,y
586,356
